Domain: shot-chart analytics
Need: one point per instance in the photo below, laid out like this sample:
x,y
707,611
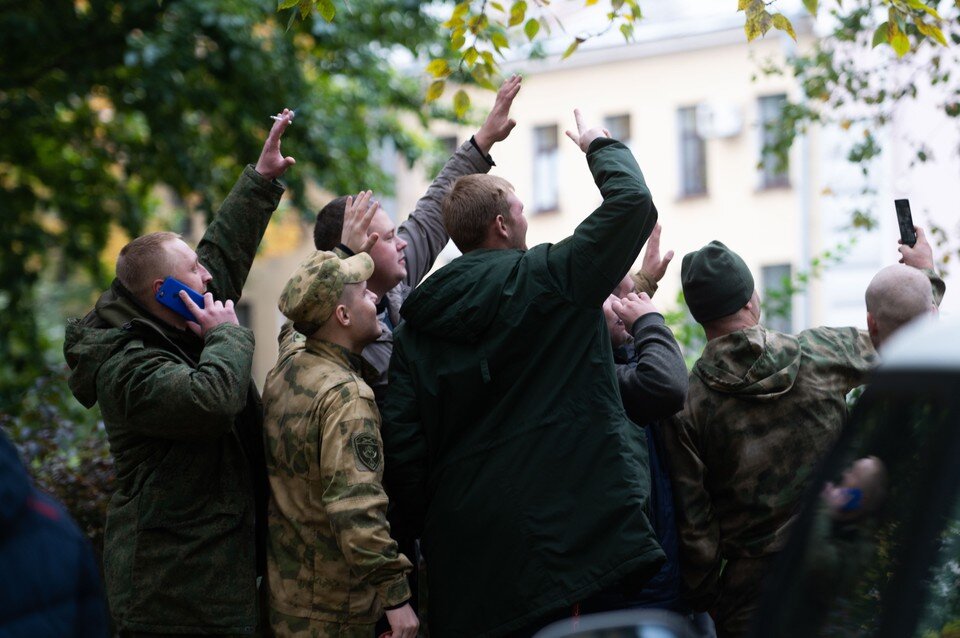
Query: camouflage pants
x,y
741,585
285,626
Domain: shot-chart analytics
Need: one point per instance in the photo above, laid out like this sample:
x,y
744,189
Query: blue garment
x,y
50,586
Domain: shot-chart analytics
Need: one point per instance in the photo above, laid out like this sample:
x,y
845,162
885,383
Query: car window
x,y
877,539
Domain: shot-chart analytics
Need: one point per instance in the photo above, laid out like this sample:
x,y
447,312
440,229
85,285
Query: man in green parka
x,y
507,448
182,550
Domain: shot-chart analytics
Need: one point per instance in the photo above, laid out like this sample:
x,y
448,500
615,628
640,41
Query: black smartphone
x,y
908,235
169,296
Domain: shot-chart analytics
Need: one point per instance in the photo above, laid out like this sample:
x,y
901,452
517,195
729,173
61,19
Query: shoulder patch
x,y
367,451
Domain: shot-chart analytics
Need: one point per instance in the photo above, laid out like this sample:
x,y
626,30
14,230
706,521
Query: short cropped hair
x,y
143,260
471,205
329,225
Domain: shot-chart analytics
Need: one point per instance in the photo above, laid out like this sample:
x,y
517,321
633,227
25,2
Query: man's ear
x,y
872,328
500,227
157,283
343,315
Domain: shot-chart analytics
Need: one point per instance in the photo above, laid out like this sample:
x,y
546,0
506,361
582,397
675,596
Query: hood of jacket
x,y
460,301
115,320
753,363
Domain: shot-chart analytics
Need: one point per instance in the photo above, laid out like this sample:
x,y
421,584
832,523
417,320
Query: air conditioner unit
x,y
718,120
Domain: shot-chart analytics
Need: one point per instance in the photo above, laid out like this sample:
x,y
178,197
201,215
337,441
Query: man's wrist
x,y
483,147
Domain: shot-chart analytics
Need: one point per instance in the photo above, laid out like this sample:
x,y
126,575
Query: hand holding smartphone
x,y
169,296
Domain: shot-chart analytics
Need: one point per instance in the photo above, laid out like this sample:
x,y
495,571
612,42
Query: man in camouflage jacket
x,y
332,566
762,410
184,421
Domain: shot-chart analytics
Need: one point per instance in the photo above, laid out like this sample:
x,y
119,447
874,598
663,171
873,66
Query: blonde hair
x,y
143,260
470,206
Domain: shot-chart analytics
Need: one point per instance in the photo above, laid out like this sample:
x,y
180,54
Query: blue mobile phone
x,y
169,296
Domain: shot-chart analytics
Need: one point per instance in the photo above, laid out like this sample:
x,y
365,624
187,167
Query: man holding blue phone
x,y
183,547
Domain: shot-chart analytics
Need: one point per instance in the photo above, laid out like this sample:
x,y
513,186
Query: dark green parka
x,y
506,444
184,422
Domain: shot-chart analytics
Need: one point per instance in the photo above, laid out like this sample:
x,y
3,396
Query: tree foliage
x,y
102,101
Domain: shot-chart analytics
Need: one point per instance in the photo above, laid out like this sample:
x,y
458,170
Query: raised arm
x,y
591,262
423,230
920,256
654,385
230,243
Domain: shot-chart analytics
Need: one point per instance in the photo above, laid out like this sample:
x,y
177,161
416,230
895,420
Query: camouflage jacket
x,y
330,557
762,410
183,420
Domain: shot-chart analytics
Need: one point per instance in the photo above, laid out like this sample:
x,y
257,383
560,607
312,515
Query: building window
x,y
448,144
545,158
777,297
619,127
693,154
773,172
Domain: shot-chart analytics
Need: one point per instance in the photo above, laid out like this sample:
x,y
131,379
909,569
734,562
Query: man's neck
x,y
728,327
340,338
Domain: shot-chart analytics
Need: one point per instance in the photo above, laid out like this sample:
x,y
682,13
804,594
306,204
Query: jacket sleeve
x,y
405,449
847,353
423,230
166,398
230,243
591,262
351,469
697,527
654,387
937,284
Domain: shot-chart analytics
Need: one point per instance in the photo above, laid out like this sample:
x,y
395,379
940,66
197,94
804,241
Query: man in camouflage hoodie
x,y
184,421
332,566
762,410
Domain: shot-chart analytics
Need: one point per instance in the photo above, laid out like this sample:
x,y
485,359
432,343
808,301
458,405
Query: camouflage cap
x,y
716,282
312,293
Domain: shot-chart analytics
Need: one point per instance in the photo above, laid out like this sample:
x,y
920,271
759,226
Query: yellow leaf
x,y
570,49
531,28
900,44
435,90
499,40
931,31
781,22
518,11
438,68
461,103
470,56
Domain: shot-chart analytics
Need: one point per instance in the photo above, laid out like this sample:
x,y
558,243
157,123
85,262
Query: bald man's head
x,y
896,295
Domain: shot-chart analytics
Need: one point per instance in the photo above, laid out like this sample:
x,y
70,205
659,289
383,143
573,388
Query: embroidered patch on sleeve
x,y
367,451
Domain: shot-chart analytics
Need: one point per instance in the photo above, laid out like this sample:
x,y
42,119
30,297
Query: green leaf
x,y
517,13
782,23
812,6
531,28
498,7
627,31
327,9
470,56
881,35
461,9
306,6
435,90
457,39
920,6
570,49
900,44
742,5
287,4
461,103
438,68
499,40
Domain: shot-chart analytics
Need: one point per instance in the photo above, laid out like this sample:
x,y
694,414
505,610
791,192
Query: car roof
x,y
929,343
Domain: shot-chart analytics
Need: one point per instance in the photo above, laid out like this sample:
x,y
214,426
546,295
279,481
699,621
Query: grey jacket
x,y
425,236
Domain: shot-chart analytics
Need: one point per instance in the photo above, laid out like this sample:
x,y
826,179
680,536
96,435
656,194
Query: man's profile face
x,y
185,266
517,223
361,303
389,263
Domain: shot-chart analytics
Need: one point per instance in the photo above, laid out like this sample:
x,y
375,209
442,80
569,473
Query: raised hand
x,y
920,255
272,164
632,307
498,124
585,135
357,215
211,315
653,266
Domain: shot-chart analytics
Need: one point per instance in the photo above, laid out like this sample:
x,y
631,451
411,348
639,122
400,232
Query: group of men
x,y
523,418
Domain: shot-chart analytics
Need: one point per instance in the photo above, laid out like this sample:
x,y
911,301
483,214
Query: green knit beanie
x,y
716,282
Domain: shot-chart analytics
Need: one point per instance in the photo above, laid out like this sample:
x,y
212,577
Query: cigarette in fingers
x,y
275,117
